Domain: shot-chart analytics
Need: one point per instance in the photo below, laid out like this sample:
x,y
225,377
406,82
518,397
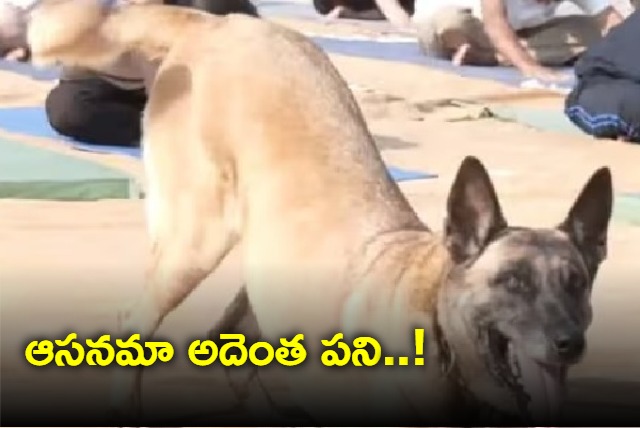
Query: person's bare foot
x,y
334,15
468,54
460,55
18,54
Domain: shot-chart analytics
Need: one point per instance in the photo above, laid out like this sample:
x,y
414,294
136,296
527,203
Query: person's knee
x,y
65,110
582,112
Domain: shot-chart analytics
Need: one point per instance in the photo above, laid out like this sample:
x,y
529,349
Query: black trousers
x,y
96,112
218,7
323,7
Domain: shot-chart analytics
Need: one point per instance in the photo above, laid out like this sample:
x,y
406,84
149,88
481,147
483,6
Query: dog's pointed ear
x,y
474,215
587,223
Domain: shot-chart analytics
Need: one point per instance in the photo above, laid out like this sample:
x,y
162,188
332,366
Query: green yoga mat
x,y
538,118
627,208
28,172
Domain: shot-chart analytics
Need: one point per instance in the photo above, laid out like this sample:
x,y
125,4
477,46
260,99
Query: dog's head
x,y
517,304
63,31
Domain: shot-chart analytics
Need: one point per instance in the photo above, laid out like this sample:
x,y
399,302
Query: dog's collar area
x,y
464,398
449,366
504,371
474,407
446,357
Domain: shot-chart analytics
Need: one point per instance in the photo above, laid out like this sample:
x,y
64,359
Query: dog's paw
x,y
125,407
120,415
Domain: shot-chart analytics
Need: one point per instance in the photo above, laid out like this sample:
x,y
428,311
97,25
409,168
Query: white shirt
x,y
19,4
520,13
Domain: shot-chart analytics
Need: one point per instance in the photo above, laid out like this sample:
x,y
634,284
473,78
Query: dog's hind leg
x,y
192,221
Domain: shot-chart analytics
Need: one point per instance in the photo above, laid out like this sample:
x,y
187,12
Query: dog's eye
x,y
514,285
511,282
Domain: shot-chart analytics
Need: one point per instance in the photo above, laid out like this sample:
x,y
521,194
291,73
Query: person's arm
x,y
394,13
506,41
607,19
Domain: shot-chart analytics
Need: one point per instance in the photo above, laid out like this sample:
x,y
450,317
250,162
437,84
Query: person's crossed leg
x,y
96,111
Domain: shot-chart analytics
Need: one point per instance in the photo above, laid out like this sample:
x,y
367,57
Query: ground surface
x,y
72,264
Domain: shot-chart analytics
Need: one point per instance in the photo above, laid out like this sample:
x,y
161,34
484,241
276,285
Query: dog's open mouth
x,y
539,387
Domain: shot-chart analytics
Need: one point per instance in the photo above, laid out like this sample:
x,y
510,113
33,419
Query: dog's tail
x,y
85,33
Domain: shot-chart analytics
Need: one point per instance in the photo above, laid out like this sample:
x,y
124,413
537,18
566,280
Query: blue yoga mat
x,y
29,70
33,121
410,53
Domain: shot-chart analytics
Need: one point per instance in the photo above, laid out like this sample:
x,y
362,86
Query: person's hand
x,y
409,29
545,74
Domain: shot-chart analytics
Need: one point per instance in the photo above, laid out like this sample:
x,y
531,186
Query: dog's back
x,y
256,88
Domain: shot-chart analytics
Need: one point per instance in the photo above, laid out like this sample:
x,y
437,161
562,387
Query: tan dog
x,y
288,166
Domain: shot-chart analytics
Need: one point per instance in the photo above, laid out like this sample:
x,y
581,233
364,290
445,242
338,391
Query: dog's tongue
x,y
544,386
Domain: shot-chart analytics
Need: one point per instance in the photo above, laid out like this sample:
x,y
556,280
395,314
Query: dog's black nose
x,y
570,346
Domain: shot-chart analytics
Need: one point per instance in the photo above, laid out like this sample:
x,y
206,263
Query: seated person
x,y
605,102
100,108
398,12
106,108
525,34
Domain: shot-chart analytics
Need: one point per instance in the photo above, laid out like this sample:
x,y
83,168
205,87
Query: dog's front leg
x,y
190,237
238,318
172,277
254,394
